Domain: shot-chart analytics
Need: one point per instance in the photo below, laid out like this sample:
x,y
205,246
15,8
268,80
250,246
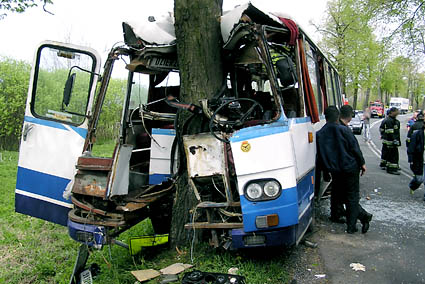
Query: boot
x,y
393,171
365,222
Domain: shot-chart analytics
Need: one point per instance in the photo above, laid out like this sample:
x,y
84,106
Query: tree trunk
x,y
356,91
380,96
366,100
197,26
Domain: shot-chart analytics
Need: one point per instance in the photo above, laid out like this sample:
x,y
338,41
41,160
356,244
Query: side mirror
x,y
69,85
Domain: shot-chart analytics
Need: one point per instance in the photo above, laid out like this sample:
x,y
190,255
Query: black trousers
x,y
384,155
347,186
337,202
392,158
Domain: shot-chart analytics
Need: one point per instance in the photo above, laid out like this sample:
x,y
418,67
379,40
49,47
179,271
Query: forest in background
x,y
378,47
14,82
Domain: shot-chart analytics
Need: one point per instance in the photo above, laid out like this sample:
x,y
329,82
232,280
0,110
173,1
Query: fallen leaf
x,y
358,267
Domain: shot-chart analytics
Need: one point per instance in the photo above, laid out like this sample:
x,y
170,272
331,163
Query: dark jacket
x,y
390,132
338,150
416,126
415,151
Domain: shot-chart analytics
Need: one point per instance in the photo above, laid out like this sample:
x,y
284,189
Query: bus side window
x,y
313,72
330,87
337,88
283,59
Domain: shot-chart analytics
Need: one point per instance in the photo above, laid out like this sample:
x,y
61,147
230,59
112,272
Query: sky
x,y
97,23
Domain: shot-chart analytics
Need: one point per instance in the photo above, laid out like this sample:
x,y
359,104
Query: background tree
x,y
199,44
349,42
20,6
408,17
418,90
14,80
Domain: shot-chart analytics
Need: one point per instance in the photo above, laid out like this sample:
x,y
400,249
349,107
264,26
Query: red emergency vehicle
x,y
376,109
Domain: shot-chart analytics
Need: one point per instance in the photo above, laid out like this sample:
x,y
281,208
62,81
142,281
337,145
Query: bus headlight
x,y
262,189
254,191
271,188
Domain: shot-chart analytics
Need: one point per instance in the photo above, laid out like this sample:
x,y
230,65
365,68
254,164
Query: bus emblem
x,y
245,147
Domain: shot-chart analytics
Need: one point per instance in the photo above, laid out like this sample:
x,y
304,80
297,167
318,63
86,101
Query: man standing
x,y
366,123
337,203
390,135
415,152
340,154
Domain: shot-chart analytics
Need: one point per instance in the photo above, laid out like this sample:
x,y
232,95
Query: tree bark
x,y
356,91
199,43
367,97
379,89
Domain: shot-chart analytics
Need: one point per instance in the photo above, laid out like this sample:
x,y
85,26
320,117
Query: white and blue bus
x,y
252,170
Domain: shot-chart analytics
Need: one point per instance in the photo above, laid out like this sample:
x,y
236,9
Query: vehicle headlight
x,y
263,189
254,191
271,188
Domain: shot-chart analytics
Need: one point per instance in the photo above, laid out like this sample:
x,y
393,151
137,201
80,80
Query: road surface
x,y
393,251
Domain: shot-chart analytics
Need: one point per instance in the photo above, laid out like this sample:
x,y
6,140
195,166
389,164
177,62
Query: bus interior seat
x,y
286,71
291,102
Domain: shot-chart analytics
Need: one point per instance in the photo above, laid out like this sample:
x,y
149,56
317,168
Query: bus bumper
x,y
91,235
281,237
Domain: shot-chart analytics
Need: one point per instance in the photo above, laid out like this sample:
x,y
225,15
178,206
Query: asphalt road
x,y
393,251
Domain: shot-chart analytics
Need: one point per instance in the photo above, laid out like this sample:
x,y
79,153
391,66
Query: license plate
x,y
85,277
163,63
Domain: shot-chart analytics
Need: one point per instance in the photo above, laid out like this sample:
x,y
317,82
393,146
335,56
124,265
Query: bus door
x,y
60,96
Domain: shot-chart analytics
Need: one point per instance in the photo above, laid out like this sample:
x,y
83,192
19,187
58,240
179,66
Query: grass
x,y
36,251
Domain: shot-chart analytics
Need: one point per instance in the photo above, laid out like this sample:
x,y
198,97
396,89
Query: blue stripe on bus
x,y
161,131
300,120
80,131
41,209
54,124
305,189
44,122
158,178
259,131
42,184
285,206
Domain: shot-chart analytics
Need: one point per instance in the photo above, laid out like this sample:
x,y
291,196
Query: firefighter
x,y
417,125
415,152
390,135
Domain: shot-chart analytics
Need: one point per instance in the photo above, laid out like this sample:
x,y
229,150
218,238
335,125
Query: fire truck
x,y
376,108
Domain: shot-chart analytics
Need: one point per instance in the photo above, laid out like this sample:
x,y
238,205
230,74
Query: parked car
x,y
359,113
356,124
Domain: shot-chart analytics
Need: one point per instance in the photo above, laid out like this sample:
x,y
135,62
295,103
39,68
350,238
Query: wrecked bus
x,y
252,172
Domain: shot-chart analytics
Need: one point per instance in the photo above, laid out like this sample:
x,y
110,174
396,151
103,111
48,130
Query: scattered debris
x,y
146,274
375,190
310,244
175,268
358,267
179,251
318,276
136,244
168,278
233,270
367,197
198,277
167,273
